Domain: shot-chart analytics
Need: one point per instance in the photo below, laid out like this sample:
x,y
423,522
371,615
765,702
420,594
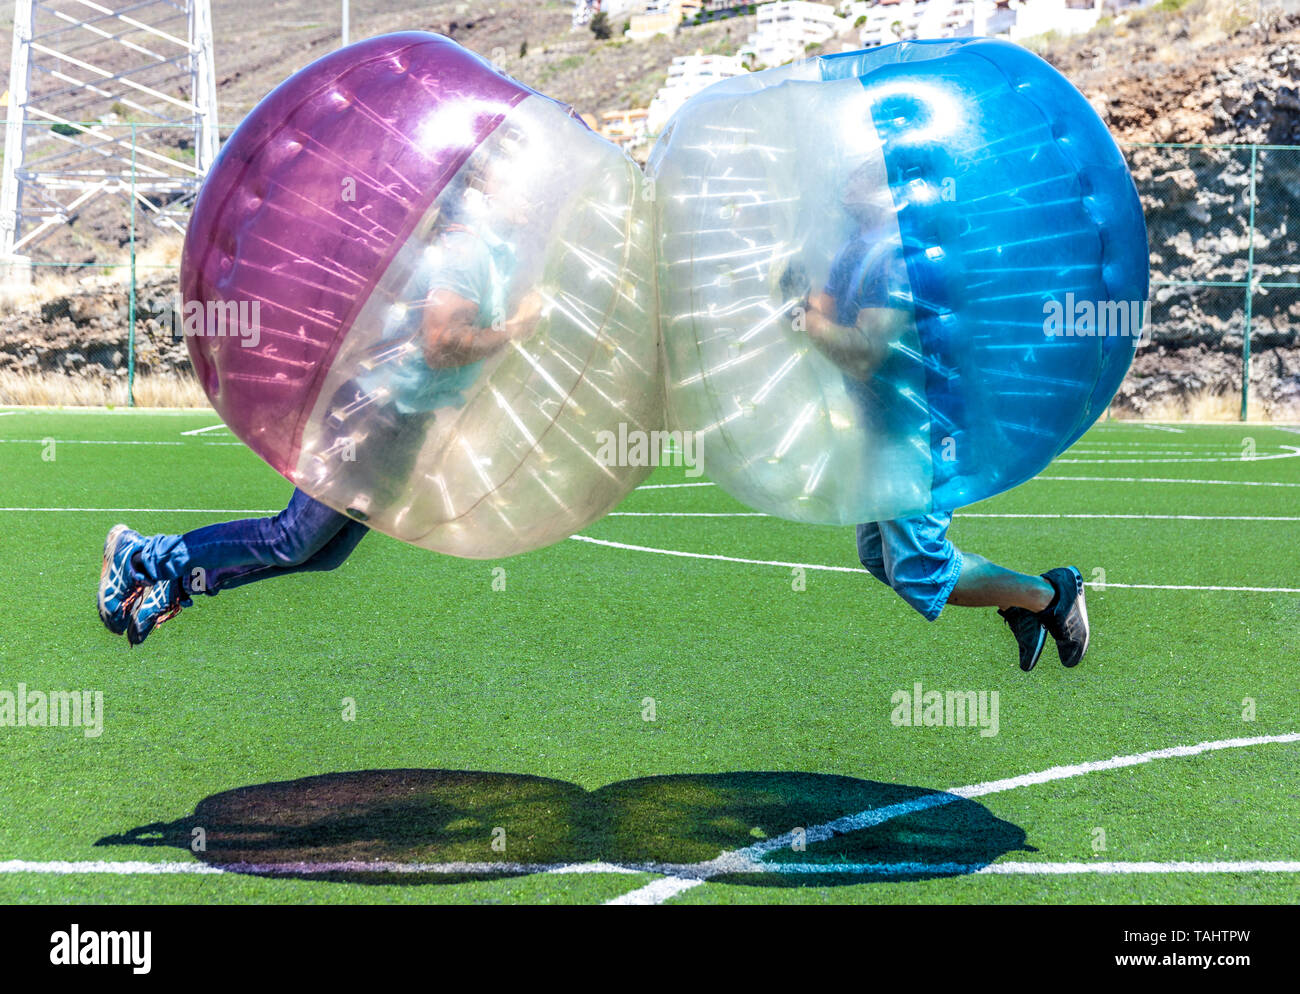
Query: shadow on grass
x,y
445,826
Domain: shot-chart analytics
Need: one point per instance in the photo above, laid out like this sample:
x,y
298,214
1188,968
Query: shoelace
x,y
173,609
129,600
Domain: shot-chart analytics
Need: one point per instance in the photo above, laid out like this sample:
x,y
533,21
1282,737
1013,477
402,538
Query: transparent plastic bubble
x,y
893,281
435,298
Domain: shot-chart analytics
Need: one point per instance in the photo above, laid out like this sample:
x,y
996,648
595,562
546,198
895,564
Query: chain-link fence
x,y
95,325
1225,280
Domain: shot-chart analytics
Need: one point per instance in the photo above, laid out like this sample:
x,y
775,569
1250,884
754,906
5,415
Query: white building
x,y
687,76
787,27
888,21
585,10
901,20
1036,17
662,17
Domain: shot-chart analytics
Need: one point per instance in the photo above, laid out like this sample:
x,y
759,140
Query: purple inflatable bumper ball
x,y
420,291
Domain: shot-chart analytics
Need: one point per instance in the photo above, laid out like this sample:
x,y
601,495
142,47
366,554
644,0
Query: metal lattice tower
x,y
111,98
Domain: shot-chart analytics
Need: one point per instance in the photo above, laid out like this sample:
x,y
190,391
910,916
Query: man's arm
x,y
452,336
857,350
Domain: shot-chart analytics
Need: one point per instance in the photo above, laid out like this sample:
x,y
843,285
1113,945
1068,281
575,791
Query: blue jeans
x,y
915,557
305,536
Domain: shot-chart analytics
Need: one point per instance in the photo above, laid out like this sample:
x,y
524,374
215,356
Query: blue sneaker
x,y
160,602
119,586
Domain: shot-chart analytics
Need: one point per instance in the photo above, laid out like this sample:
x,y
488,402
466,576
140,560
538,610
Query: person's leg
x,y
871,552
921,563
389,455
331,556
366,468
305,535
928,571
286,541
986,584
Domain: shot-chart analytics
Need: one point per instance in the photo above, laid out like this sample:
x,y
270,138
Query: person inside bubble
x,y
858,320
452,315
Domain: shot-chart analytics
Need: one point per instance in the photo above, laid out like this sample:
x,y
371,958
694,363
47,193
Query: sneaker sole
x,y
106,566
1083,611
1038,650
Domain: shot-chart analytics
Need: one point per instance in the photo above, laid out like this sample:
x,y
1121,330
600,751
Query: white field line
x,y
203,431
148,412
822,567
713,556
98,441
695,514
674,486
1200,450
856,569
748,860
1157,479
1154,427
79,441
61,867
1216,866
149,510
1174,445
1136,517
144,868
663,889
984,514
688,514
1117,461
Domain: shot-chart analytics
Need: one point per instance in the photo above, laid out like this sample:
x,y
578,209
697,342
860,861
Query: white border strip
x,y
61,867
696,514
1161,479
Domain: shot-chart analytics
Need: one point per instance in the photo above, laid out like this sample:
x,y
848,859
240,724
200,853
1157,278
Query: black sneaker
x,y
1067,619
1030,634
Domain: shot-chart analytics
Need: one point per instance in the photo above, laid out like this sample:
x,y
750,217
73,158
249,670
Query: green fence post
x,y
130,340
1250,292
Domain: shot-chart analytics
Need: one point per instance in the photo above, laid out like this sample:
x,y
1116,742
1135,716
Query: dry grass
x,y
1204,406
47,286
24,389
161,254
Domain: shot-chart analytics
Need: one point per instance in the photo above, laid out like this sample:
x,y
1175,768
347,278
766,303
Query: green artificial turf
x,y
507,728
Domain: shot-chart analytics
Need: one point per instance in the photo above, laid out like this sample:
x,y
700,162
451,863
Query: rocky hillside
x,y
1207,74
